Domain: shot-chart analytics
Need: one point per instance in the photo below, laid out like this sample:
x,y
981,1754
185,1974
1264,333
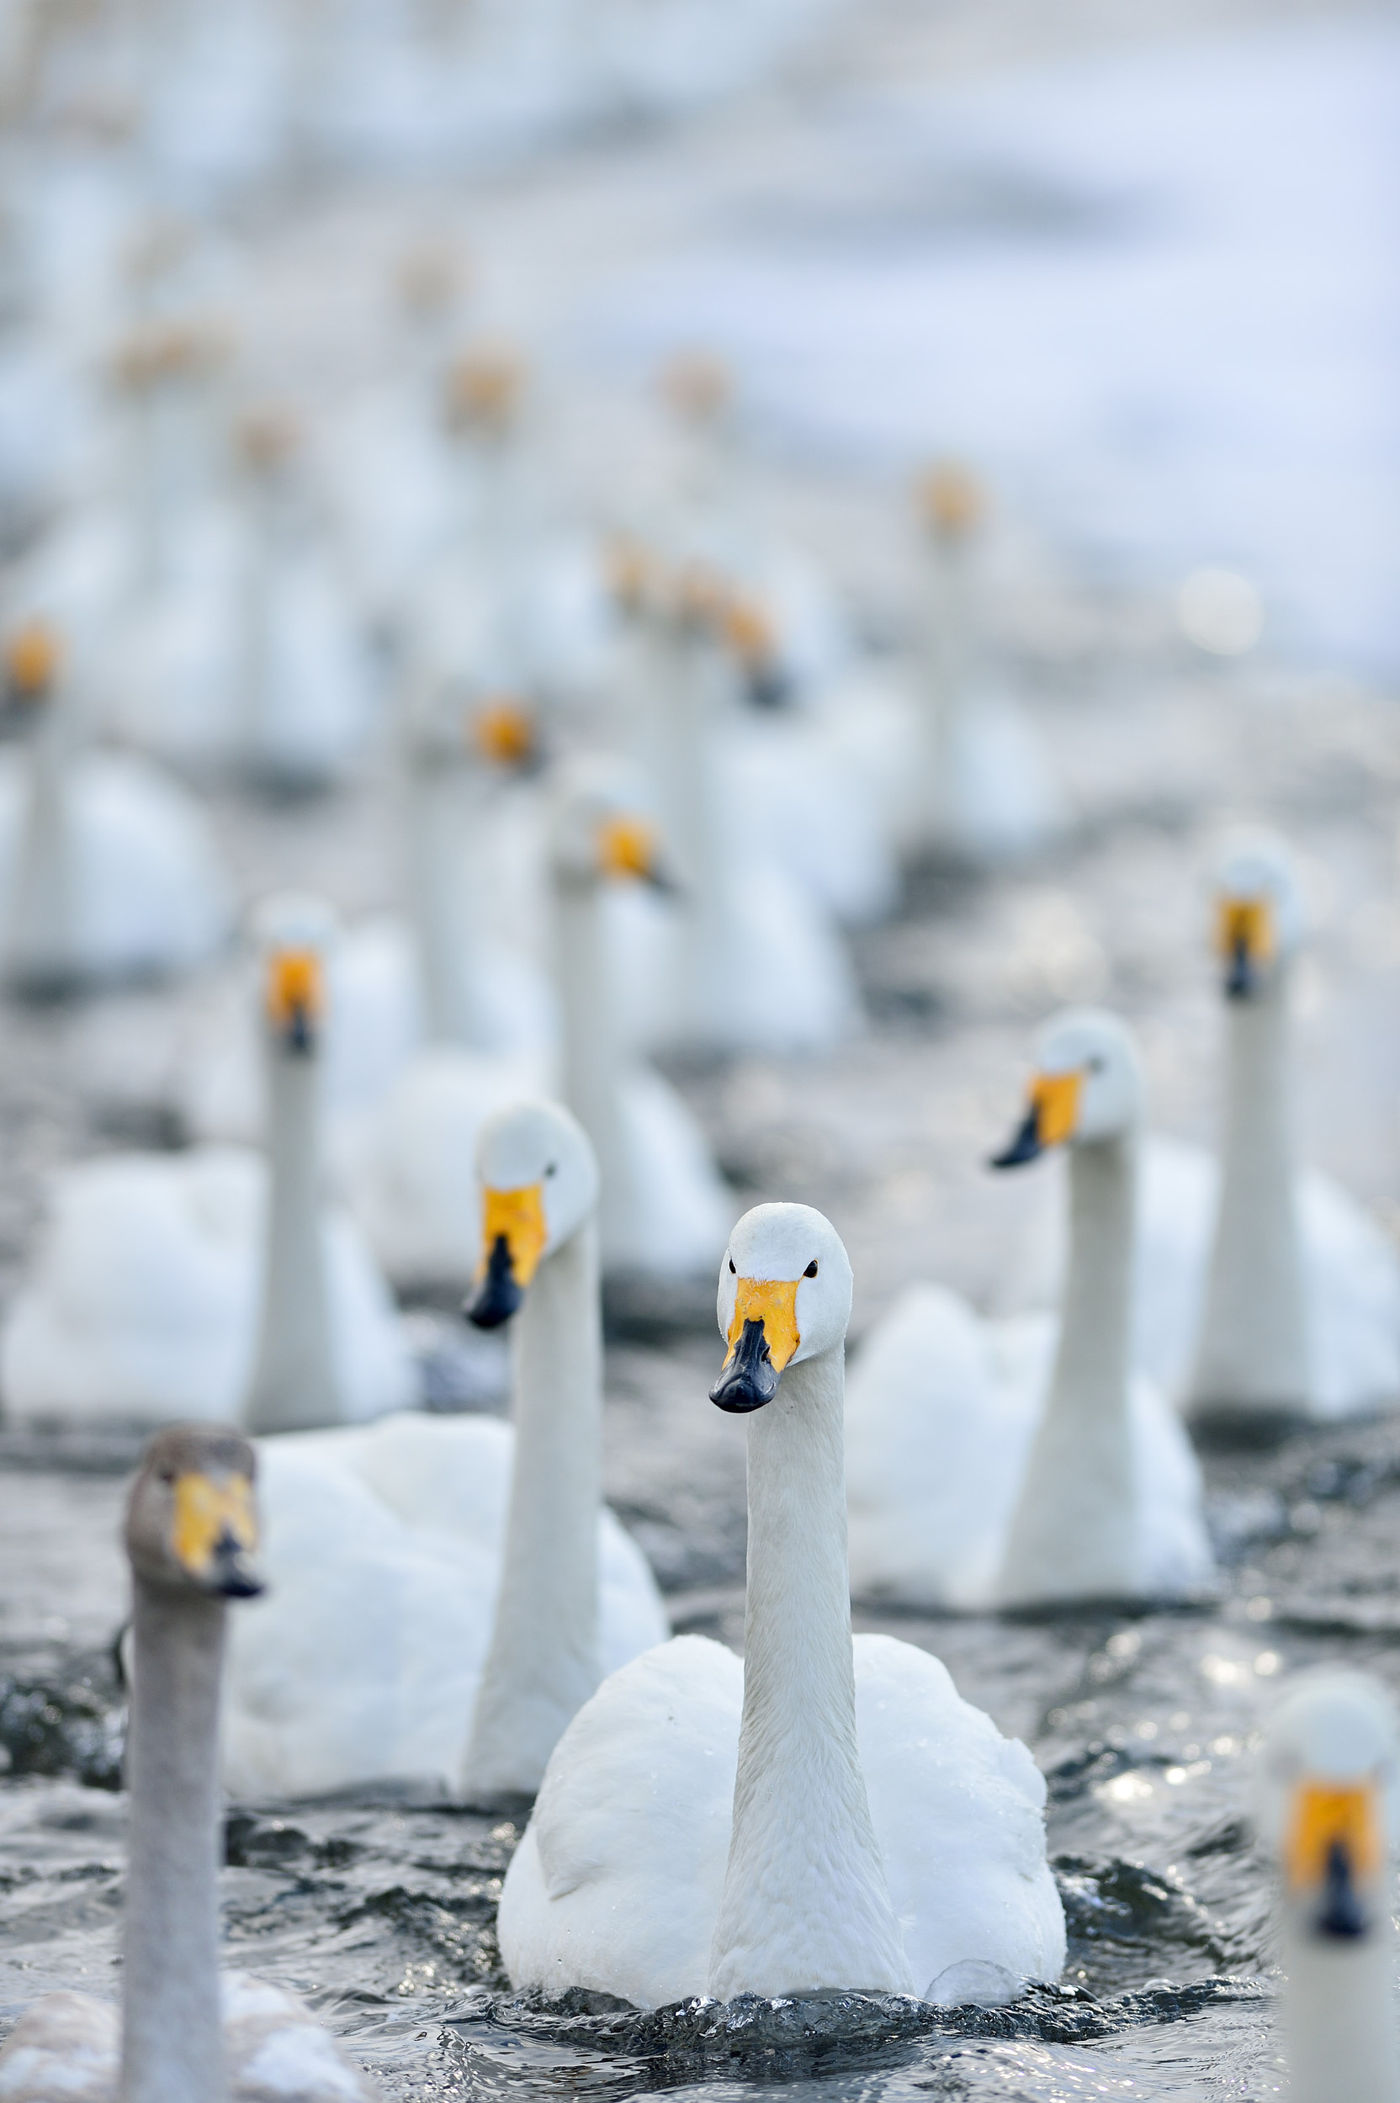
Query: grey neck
x,y
544,1659
1252,1357
1073,1532
172,2035
806,1904
1338,2014
294,1386
689,708
590,1052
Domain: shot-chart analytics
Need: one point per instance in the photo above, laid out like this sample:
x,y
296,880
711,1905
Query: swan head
x,y
191,1516
752,637
1258,912
539,1183
1087,1086
502,730
294,935
599,833
952,502
1328,1798
33,657
784,1295
484,392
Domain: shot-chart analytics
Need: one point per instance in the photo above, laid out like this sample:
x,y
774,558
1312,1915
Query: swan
x,y
664,1208
251,659
1265,1295
184,2031
1003,1463
988,790
732,878
825,1815
107,869
1328,1812
207,1283
437,1614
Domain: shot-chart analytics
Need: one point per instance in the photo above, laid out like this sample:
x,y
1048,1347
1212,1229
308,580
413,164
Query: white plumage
x,y
383,1550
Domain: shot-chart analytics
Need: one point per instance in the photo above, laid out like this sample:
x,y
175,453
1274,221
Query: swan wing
x,y
616,1883
959,1811
1353,1273
62,2050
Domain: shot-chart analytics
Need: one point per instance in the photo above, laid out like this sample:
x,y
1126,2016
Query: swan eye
x,y
811,1270
552,1168
1095,1064
733,1273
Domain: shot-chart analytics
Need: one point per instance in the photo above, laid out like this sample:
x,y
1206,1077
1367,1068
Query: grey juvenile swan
x,y
184,2034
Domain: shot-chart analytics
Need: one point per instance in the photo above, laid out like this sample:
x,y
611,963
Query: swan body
x,y
1021,1461
450,1591
107,869
141,1303
1327,1812
373,1676
185,2034
826,1814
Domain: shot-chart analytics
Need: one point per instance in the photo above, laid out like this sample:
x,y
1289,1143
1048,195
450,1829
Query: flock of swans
x,y
466,1094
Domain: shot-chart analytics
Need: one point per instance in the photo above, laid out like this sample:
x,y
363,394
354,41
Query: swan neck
x,y
294,1387
443,826
543,1662
1073,1532
1253,1350
1338,2015
806,1904
590,1049
41,938
172,2036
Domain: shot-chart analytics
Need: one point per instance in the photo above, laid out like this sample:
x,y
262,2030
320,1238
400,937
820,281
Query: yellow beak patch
x,y
504,731
31,659
294,986
518,1215
1245,923
627,847
1055,1097
205,1512
772,1301
1321,1818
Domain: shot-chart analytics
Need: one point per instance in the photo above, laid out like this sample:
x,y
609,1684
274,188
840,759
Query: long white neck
x,y
1252,1357
806,1904
265,546
1073,1531
686,709
442,813
40,940
544,1662
172,2037
294,1387
947,679
1338,2015
591,1053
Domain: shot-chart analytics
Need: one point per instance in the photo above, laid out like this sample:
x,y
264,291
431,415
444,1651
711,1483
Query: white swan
x,y
826,1815
107,869
207,1283
988,792
387,1546
183,2031
999,1462
251,659
1264,1293
1329,1812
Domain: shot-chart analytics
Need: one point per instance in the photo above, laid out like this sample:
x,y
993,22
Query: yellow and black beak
x,y
1051,1116
1244,936
750,635
295,998
215,1534
31,661
513,1236
762,1337
630,847
1332,1851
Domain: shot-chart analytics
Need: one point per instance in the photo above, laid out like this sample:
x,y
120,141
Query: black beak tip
x,y
749,1379
499,1294
1025,1145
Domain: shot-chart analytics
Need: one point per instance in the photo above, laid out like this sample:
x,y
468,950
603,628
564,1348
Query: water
x,y
380,1908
